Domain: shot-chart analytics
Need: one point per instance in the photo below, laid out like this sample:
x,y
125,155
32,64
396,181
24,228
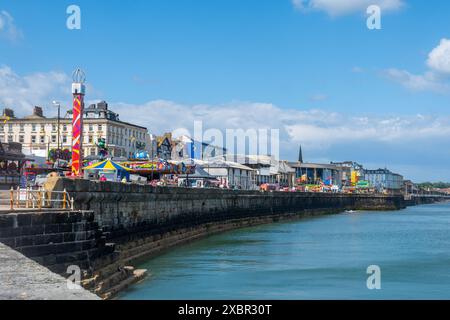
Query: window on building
x,y
65,127
2,127
33,128
64,139
2,138
54,127
53,139
21,139
91,128
10,127
100,127
10,138
33,139
42,139
93,152
22,127
90,139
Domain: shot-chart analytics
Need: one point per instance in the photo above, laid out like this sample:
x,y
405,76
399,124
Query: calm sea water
x,y
318,258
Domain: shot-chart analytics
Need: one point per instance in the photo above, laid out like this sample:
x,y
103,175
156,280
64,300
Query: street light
x,y
57,104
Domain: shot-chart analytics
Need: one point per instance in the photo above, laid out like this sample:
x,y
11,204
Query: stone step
x,y
114,279
137,276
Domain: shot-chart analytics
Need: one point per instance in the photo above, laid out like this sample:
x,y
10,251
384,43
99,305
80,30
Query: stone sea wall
x,y
114,225
121,209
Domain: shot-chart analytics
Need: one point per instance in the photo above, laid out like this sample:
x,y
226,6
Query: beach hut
x,y
110,169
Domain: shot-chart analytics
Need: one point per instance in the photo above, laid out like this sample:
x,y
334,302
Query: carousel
x,y
107,170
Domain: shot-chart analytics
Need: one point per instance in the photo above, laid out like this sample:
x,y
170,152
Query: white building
x,y
267,169
384,180
39,134
231,174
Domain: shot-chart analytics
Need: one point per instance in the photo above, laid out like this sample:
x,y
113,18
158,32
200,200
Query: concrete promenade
x,y
23,279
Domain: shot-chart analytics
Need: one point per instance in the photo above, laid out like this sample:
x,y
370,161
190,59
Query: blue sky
x,y
340,89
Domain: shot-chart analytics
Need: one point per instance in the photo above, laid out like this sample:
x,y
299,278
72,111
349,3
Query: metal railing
x,y
29,198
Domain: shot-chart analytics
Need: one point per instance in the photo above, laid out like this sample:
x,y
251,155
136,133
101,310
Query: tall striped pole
x,y
78,91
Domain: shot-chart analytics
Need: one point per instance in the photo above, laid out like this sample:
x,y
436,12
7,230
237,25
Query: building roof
x,y
160,139
381,171
36,116
313,166
184,139
220,163
200,173
283,167
264,160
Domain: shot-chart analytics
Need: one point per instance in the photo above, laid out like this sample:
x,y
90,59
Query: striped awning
x,y
107,165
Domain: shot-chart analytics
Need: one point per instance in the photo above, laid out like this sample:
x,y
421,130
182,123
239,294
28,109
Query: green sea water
x,y
317,258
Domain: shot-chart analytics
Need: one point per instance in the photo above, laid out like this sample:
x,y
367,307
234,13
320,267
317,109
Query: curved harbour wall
x,y
143,221
123,209
120,223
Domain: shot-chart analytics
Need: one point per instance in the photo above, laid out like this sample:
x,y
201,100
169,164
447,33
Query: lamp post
x,y
57,104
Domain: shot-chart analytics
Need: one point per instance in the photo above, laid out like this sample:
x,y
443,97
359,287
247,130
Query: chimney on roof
x,y
8,113
102,105
37,111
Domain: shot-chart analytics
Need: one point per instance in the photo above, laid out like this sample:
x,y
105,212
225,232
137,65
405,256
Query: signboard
x,y
23,195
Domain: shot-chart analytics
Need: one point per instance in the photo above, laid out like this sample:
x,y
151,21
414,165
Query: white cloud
x,y
439,57
343,7
435,79
8,29
315,129
428,81
23,92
